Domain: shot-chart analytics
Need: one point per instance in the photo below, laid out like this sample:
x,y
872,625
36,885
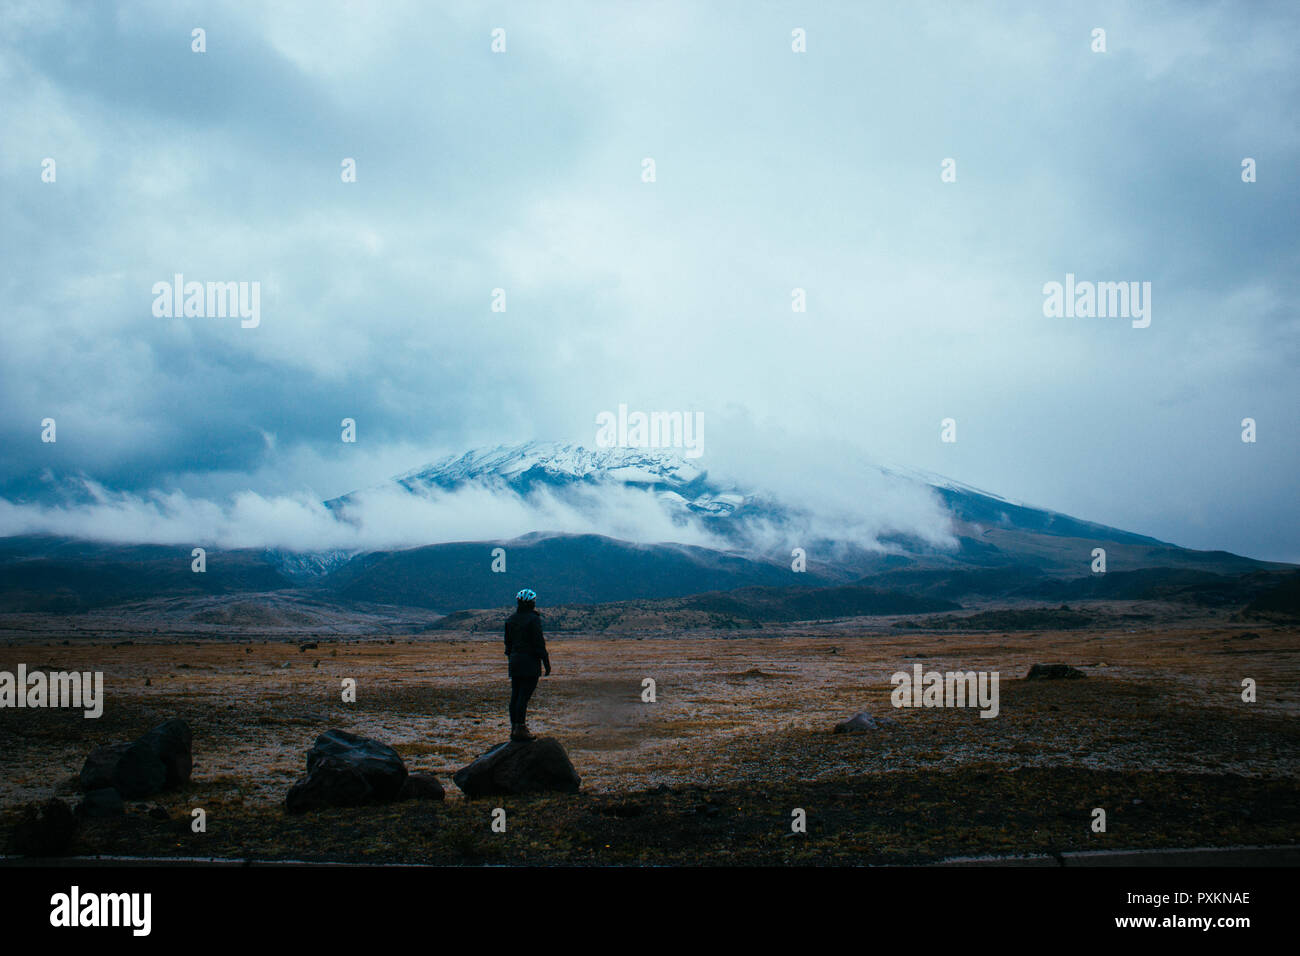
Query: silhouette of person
x,y
526,652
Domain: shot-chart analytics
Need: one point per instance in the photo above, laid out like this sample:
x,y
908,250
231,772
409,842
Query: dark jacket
x,y
525,645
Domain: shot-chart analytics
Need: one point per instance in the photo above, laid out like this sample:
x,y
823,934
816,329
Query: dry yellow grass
x,y
727,711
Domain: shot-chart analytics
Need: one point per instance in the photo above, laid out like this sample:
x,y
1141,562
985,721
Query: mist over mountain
x,y
583,526
647,495
639,495
895,513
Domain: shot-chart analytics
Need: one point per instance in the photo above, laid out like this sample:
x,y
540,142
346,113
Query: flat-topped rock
x,y
532,766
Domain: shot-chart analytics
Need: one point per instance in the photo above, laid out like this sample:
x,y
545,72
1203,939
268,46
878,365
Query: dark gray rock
x,y
344,770
381,764
533,766
1054,672
160,760
863,722
44,829
173,744
421,786
133,770
333,782
101,804
97,771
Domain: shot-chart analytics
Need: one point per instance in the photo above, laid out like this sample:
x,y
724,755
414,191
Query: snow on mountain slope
x,y
557,461
676,481
900,510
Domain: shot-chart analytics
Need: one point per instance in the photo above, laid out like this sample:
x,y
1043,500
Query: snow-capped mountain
x,y
698,534
989,543
682,487
676,481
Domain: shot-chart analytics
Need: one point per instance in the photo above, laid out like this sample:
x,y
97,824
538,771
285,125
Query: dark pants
x,y
521,688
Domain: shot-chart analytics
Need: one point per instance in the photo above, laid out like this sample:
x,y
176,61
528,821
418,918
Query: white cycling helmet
x,y
527,594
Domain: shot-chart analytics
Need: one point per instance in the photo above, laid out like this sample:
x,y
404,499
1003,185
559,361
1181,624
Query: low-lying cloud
x,y
389,517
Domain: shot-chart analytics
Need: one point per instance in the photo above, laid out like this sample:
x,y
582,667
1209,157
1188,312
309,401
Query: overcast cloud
x,y
775,170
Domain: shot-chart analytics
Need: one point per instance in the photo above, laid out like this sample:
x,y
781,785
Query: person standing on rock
x,y
526,651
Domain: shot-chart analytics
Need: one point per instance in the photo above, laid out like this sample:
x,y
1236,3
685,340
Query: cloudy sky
x,y
774,170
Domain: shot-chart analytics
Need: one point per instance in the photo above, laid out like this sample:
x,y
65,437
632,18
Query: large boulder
x,y
160,760
44,829
1054,672
133,770
344,770
333,782
533,766
173,744
863,722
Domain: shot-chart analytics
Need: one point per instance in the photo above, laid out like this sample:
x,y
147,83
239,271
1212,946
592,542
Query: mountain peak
x,y
557,462
557,466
